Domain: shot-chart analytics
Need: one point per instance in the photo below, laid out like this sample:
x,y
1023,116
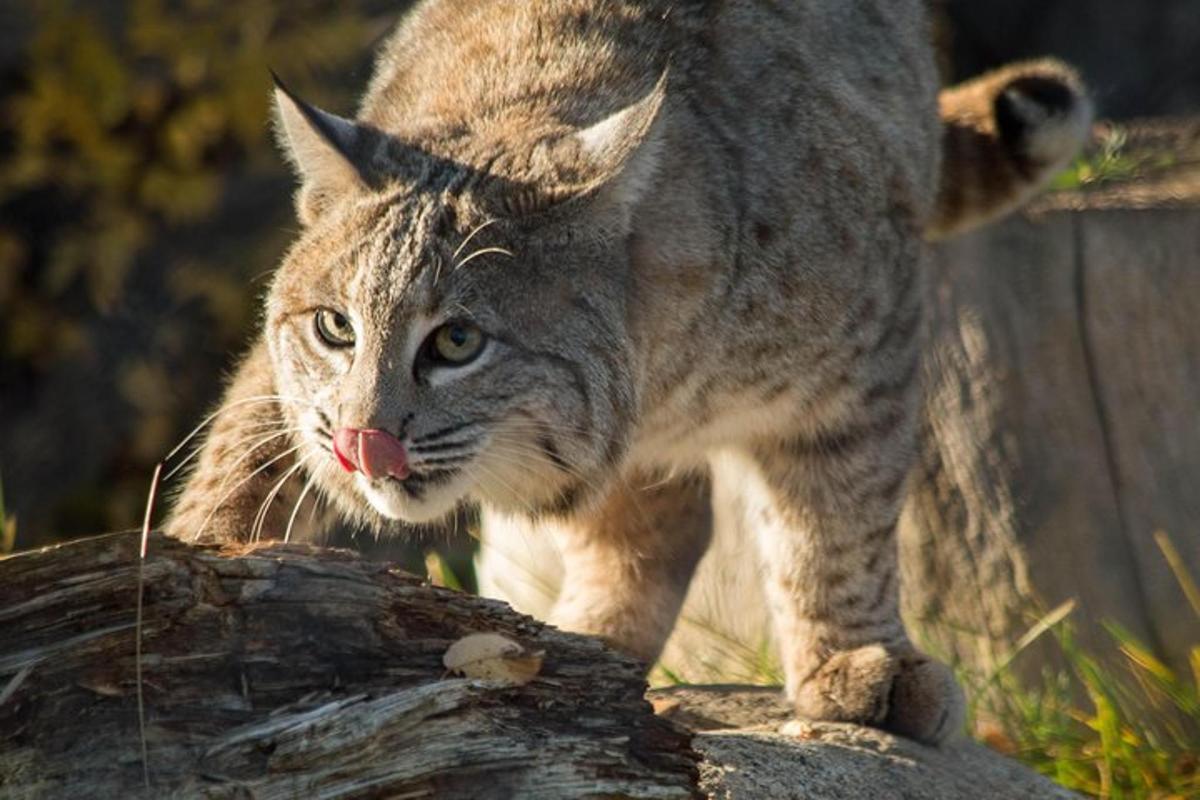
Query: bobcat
x,y
576,258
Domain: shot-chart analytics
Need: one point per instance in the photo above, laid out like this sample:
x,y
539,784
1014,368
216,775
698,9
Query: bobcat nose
x,y
374,452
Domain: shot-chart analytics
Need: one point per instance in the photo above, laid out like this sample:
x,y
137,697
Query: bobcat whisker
x,y
251,430
523,450
491,475
312,481
537,454
483,252
256,446
531,423
463,244
238,485
518,464
530,434
198,448
265,398
462,311
522,461
264,508
523,421
510,431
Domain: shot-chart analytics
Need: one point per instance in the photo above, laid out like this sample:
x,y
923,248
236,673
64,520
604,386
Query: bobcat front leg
x,y
824,507
247,480
627,563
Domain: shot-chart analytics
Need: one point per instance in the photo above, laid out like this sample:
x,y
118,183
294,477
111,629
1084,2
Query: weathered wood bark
x,y
289,672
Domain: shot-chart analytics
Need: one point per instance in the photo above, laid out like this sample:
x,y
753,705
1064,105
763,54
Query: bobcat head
x,y
451,322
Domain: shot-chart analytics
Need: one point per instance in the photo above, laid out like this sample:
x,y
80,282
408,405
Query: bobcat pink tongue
x,y
345,447
376,453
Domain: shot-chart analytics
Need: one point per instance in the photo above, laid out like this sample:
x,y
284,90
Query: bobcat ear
x,y
624,148
606,166
327,151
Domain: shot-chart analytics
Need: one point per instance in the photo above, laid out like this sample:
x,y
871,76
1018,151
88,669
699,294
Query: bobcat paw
x,y
902,691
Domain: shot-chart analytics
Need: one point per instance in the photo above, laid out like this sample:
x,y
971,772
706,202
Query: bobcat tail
x,y
1004,135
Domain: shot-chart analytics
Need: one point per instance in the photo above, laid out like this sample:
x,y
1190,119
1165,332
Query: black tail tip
x,y
1042,114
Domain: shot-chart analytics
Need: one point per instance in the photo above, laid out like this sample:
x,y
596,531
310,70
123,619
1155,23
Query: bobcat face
x,y
438,354
444,330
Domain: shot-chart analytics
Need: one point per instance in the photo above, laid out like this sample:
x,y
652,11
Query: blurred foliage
x,y
133,132
8,527
127,129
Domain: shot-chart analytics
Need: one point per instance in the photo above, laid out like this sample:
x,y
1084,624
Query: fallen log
x,y
284,671
280,671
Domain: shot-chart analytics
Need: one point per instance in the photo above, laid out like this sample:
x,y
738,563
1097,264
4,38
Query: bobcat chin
x,y
579,260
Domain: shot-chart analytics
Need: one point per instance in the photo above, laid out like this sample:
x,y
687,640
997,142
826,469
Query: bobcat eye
x,y
333,328
455,343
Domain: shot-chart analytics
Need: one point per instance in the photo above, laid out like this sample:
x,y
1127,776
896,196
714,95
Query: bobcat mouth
x,y
423,495
373,452
433,479
430,469
417,483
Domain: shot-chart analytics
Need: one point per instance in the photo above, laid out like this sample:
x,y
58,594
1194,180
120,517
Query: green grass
x,y
1114,161
1134,732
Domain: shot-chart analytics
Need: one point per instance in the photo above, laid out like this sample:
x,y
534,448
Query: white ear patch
x,y
624,146
610,139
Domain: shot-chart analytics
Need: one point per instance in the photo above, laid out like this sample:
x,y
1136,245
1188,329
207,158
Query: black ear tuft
x,y
332,155
341,133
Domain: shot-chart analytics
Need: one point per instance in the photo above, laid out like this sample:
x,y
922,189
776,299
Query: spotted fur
x,y
691,233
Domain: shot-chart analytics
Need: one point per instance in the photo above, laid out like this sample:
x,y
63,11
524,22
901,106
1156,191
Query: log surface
x,y
284,671
752,749
1063,379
